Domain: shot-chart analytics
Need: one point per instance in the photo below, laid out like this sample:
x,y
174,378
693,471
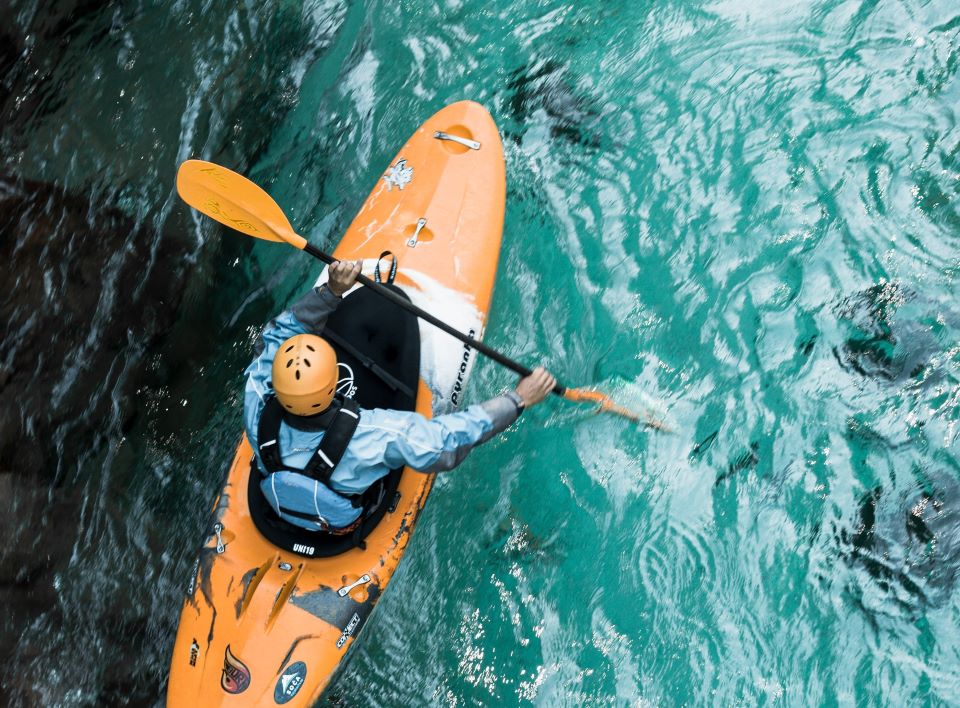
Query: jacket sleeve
x,y
442,443
308,315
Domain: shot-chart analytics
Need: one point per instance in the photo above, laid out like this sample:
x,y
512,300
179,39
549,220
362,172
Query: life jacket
x,y
339,423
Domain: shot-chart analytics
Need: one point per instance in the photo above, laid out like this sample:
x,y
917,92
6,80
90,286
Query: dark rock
x,y
909,547
86,296
889,332
546,86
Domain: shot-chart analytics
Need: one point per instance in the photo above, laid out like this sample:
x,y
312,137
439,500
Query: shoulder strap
x,y
268,435
327,456
335,441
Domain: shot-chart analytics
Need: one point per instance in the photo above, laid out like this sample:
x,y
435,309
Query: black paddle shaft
x,y
427,317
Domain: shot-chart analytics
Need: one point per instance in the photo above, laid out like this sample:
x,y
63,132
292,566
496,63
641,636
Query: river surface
x,y
744,215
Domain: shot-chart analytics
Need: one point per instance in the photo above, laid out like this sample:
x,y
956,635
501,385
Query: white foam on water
x,y
445,362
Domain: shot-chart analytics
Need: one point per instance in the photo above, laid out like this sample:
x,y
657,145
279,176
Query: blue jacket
x,y
384,439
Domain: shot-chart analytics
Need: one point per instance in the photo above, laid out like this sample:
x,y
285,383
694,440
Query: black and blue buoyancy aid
x,y
339,423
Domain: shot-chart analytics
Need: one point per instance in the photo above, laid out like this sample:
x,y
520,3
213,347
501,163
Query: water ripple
x,y
741,215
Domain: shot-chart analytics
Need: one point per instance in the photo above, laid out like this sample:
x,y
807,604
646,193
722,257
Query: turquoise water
x,y
742,215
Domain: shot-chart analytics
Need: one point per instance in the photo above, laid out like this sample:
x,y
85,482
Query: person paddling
x,y
298,426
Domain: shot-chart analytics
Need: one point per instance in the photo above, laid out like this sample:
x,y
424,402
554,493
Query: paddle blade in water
x,y
234,201
607,405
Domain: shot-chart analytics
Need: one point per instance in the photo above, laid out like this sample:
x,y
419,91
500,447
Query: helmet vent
x,y
303,369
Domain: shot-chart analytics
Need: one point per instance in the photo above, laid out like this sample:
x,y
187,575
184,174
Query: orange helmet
x,y
305,374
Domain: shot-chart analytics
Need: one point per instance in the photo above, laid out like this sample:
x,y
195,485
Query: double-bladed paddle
x,y
235,201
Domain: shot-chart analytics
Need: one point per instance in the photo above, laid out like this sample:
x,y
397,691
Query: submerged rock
x,y
890,332
909,547
88,291
547,86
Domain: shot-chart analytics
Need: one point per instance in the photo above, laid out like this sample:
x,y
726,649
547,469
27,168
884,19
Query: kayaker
x,y
291,385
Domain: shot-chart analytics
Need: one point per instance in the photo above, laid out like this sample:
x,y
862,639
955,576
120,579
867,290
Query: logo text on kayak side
x,y
399,175
462,371
191,588
289,683
348,630
236,676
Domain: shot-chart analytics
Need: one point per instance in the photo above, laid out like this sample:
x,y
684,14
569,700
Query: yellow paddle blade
x,y
234,201
607,405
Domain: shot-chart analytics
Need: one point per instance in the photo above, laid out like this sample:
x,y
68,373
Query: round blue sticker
x,y
290,682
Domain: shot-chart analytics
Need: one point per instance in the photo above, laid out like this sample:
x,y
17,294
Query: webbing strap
x,y
268,433
327,456
335,441
393,267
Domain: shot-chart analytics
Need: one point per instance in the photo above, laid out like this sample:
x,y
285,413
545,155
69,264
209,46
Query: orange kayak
x,y
269,613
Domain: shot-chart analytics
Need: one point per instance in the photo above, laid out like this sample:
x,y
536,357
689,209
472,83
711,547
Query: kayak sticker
x,y
399,175
192,587
194,652
348,630
290,682
345,385
236,676
462,371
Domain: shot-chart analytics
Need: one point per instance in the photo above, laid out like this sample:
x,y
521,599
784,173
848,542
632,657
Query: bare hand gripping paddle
x,y
235,201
